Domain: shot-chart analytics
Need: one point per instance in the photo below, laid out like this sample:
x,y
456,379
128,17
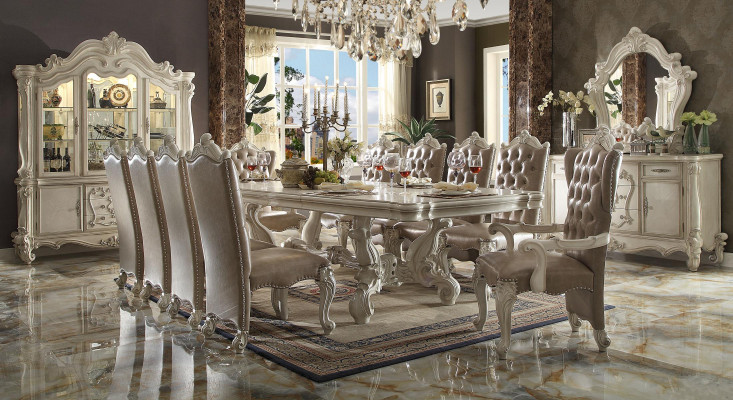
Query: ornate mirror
x,y
640,79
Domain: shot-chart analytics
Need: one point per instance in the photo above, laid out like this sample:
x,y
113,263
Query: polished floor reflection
x,y
66,332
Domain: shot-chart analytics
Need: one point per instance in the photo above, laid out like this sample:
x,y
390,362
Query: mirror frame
x,y
638,42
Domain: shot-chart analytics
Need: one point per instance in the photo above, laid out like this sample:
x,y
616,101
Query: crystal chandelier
x,y
402,21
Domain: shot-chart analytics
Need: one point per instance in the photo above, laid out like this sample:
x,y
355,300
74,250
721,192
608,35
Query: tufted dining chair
x,y
233,270
274,220
474,144
128,222
577,265
343,223
428,161
156,243
522,166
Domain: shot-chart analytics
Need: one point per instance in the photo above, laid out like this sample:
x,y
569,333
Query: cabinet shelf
x,y
58,109
115,109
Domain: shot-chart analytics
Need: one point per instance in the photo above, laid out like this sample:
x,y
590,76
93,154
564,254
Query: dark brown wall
x,y
32,30
452,58
585,31
486,36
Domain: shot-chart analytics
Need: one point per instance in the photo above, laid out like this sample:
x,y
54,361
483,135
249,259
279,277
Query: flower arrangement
x,y
568,102
706,118
342,148
689,118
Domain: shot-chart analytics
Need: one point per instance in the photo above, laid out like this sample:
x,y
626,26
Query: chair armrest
x,y
540,248
508,230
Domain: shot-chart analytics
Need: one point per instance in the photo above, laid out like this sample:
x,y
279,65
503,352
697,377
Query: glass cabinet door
x,y
57,148
111,113
163,106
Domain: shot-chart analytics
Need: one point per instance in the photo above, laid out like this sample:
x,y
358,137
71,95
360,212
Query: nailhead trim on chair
x,y
272,285
239,241
139,256
162,225
546,292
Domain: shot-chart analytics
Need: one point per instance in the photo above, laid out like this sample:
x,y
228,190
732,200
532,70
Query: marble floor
x,y
67,332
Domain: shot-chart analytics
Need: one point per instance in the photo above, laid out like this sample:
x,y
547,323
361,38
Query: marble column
x,y
633,88
226,71
530,68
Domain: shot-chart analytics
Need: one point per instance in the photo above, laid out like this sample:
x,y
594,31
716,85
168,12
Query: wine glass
x,y
365,162
263,161
378,164
251,164
391,163
405,169
456,162
475,163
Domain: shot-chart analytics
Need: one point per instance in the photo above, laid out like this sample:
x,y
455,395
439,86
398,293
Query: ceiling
x,y
496,11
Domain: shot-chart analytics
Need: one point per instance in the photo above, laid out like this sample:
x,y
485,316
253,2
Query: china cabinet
x,y
664,203
69,109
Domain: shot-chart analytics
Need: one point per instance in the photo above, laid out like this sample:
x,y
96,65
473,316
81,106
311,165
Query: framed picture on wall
x,y
437,95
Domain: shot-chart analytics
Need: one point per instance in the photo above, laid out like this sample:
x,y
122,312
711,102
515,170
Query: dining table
x,y
425,261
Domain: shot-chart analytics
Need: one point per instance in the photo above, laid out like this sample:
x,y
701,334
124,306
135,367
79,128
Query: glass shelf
x,y
113,109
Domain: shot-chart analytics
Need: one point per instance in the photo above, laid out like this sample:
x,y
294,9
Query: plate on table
x,y
455,192
342,191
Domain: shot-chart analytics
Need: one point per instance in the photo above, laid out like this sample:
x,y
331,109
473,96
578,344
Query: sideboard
x,y
668,203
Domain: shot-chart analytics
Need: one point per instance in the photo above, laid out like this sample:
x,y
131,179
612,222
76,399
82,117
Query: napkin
x,y
331,186
470,186
411,180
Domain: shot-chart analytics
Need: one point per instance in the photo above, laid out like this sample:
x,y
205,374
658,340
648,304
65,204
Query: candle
x,y
346,101
336,99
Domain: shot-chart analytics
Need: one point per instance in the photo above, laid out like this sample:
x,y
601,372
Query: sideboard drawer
x,y
626,220
659,170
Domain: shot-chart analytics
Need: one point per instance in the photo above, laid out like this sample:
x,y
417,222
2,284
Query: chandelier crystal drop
x,y
356,24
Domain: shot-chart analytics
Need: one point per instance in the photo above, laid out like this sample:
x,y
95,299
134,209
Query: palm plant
x,y
255,103
417,130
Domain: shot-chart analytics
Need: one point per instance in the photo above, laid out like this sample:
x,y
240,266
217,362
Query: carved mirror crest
x,y
640,79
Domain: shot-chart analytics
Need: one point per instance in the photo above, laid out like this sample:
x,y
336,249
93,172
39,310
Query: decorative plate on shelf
x,y
119,95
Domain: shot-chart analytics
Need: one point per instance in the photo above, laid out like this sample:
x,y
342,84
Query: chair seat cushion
x,y
330,220
413,230
563,273
469,236
255,245
281,267
279,221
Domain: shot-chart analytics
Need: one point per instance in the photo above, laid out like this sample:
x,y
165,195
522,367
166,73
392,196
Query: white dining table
x,y
425,262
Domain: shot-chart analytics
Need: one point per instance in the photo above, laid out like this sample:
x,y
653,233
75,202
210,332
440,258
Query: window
x,y
307,64
496,94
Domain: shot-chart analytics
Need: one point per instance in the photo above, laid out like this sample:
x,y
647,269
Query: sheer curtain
x,y
395,85
260,51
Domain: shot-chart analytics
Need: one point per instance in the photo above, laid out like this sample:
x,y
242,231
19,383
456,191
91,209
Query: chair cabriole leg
x,y
506,296
327,287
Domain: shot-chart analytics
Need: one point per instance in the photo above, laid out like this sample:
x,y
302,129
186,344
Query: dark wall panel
x,y
32,30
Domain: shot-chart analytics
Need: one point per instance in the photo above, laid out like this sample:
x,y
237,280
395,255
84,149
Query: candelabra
x,y
323,120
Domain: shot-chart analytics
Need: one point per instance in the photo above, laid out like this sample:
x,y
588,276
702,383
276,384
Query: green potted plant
x,y
417,130
255,103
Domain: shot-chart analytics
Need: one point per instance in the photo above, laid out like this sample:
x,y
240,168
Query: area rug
x,y
409,322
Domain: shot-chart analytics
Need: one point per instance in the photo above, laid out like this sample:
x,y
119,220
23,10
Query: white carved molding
x,y
474,140
207,147
429,141
525,137
638,42
169,148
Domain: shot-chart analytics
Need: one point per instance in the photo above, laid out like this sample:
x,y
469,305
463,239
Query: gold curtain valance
x,y
259,41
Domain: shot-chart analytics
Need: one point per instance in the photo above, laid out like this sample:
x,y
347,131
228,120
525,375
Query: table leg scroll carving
x,y
719,247
256,229
368,276
427,260
312,230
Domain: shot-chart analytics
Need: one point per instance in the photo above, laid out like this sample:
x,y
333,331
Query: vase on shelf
x,y
570,138
703,140
689,143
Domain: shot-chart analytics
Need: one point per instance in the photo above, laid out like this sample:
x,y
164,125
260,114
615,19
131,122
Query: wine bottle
x,y
56,161
67,161
46,160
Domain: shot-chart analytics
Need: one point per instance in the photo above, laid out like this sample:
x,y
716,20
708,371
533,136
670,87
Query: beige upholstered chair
x,y
522,166
577,267
343,223
187,261
128,225
232,269
155,244
274,220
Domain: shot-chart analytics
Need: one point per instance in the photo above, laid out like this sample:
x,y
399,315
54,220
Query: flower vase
x,y
689,144
570,138
703,140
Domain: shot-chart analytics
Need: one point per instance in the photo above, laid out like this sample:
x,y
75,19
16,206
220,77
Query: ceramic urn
x,y
292,171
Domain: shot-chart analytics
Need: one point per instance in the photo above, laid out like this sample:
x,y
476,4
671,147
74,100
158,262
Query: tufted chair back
x,y
522,166
187,263
156,243
125,207
218,205
428,158
591,174
239,153
378,149
476,145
